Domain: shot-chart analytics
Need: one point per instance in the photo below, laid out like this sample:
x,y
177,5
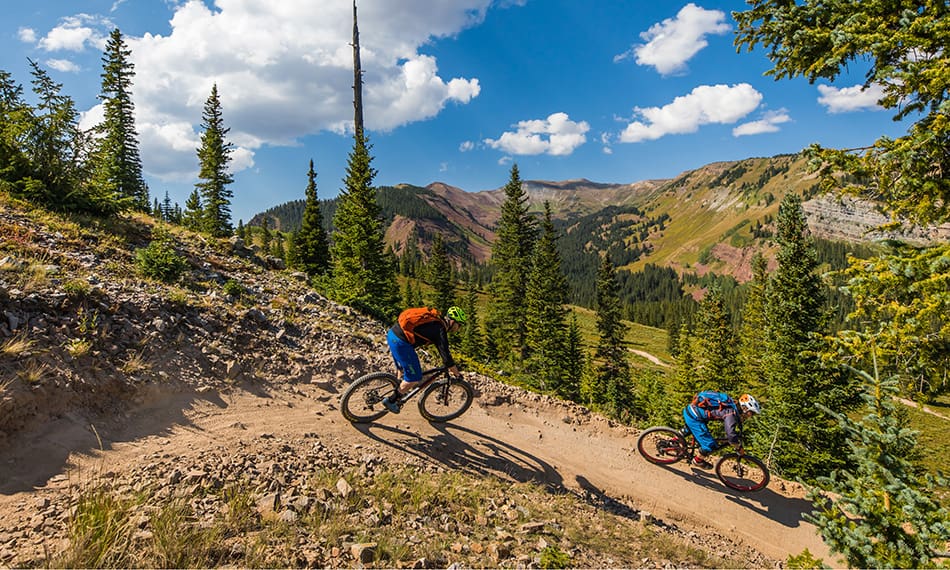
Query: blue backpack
x,y
711,400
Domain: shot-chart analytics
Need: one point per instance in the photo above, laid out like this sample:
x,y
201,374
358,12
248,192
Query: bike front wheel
x,y
662,445
446,400
742,472
362,401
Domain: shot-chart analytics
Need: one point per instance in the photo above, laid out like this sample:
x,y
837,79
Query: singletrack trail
x,y
506,433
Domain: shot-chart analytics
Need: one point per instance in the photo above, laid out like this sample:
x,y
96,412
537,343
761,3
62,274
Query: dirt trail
x,y
525,438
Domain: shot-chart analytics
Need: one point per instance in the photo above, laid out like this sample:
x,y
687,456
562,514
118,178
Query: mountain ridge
x,y
725,207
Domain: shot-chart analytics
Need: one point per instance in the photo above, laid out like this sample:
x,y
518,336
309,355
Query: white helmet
x,y
749,404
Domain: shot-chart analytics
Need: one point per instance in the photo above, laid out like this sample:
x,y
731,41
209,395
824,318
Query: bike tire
x,y
362,401
744,473
446,399
662,445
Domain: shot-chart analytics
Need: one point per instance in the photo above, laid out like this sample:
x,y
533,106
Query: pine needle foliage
x,y
440,276
311,246
363,275
545,312
799,438
611,376
118,166
877,510
214,154
511,254
905,45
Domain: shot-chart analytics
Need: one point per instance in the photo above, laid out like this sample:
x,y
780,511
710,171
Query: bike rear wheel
x,y
662,445
362,401
742,472
446,399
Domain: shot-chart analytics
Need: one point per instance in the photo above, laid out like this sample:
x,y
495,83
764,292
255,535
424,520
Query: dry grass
x,y
32,372
136,363
462,514
16,346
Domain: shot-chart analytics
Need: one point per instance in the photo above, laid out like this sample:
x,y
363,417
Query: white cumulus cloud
x,y
854,98
674,41
466,146
77,33
706,104
769,123
283,70
557,135
62,65
27,35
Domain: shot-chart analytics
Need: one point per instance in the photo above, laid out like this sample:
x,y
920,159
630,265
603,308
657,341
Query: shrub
x,y
554,557
233,289
159,260
77,288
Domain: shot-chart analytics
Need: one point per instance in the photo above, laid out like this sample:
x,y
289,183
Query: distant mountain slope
x,y
712,218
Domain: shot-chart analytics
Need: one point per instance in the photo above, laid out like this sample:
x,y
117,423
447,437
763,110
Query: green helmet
x,y
456,314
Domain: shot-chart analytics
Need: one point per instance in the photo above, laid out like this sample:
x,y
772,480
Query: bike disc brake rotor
x,y
372,397
669,447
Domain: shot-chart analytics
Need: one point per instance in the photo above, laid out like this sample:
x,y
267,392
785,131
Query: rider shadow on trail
x,y
767,503
476,454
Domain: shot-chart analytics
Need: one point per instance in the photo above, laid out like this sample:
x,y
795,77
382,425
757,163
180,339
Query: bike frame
x,y
432,373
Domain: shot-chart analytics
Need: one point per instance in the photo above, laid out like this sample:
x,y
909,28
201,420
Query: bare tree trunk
x,y
357,78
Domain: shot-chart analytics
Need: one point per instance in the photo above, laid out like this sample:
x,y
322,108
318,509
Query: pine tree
x,y
471,333
311,242
574,360
686,383
240,231
716,366
877,510
194,212
511,254
440,276
277,250
752,342
408,297
292,256
266,235
214,154
363,275
54,173
118,166
612,371
545,314
803,441
167,209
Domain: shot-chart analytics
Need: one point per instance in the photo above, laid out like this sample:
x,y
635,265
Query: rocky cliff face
x,y
849,219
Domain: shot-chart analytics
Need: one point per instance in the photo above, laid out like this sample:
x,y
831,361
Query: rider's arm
x,y
731,422
442,344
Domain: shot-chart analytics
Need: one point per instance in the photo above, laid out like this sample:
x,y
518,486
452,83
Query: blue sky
x,y
455,90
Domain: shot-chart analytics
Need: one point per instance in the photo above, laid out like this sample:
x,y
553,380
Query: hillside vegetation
x,y
87,341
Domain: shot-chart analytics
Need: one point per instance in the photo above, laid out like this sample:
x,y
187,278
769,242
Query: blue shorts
x,y
405,357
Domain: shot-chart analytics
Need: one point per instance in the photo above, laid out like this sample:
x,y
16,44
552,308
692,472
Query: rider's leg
x,y
406,360
707,443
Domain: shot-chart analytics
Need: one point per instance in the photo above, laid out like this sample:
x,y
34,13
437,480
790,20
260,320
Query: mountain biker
x,y
434,332
699,413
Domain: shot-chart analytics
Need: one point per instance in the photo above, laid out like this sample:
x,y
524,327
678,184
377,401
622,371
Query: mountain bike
x,y
663,445
444,397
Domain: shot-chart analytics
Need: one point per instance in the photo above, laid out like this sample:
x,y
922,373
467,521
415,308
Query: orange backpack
x,y
411,318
